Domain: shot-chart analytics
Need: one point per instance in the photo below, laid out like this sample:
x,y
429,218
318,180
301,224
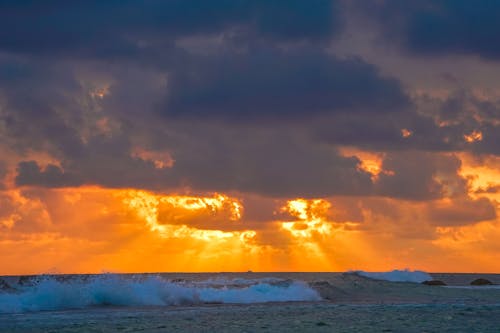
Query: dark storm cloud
x,y
278,159
275,163
49,109
33,95
45,107
30,173
261,113
103,161
383,131
465,107
434,124
461,114
272,83
439,27
124,28
420,176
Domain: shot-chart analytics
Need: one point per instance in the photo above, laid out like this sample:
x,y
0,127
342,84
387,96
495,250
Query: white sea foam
x,y
397,275
48,293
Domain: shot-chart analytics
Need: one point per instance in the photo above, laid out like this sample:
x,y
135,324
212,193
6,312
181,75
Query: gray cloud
x,y
462,211
438,27
118,29
273,162
420,175
435,124
383,131
277,84
262,113
30,173
461,114
270,156
3,173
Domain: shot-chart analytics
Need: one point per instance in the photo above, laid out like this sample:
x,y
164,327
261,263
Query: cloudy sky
x,y
229,135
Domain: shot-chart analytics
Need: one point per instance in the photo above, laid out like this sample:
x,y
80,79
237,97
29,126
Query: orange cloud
x,y
91,229
371,162
114,229
473,136
483,173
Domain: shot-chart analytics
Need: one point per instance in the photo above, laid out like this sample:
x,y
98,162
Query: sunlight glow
x,y
482,175
474,136
311,215
146,205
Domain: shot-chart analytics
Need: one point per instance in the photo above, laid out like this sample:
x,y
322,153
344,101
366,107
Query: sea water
x,y
49,292
353,301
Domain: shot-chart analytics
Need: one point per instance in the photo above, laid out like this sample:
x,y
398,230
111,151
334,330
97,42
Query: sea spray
x,y
52,293
396,275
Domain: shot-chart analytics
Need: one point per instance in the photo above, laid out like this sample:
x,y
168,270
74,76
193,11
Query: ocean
x,y
249,302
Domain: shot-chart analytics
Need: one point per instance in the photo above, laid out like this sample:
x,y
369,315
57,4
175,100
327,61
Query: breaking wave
x,y
396,275
52,293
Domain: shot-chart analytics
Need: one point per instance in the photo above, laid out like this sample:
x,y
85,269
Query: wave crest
x,y
396,275
50,293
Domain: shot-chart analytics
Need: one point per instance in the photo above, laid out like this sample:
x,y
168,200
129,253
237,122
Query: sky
x,y
235,135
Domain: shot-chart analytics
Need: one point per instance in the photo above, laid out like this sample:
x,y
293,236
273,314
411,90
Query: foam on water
x,y
397,275
49,293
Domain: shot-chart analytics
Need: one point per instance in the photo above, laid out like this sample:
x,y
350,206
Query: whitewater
x,y
41,293
227,302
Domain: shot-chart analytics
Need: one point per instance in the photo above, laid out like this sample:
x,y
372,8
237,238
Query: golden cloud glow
x,y
482,175
406,133
311,215
476,245
147,207
474,136
370,162
90,229
124,230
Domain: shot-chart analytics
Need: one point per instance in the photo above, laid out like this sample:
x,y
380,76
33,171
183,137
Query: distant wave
x,y
51,293
396,275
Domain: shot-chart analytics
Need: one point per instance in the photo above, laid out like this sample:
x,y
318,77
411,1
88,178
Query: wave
x,y
51,293
396,275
